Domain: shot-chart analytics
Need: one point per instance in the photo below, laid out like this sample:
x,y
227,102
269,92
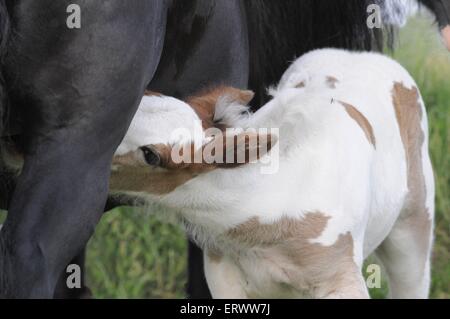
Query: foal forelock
x,y
221,107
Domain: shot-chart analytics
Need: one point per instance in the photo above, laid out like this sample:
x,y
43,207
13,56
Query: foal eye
x,y
150,156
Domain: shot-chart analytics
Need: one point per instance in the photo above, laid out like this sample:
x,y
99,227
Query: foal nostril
x,y
150,156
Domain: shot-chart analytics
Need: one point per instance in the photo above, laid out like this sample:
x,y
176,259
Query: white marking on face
x,y
161,120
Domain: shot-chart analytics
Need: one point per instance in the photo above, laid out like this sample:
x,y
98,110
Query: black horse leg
x,y
197,288
62,290
77,91
8,181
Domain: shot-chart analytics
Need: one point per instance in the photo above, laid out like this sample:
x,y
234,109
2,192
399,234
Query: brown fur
x,y
134,175
331,81
307,264
409,115
246,148
446,36
148,180
362,121
152,93
300,85
215,256
205,102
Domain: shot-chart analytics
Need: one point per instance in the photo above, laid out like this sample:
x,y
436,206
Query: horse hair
x,y
4,34
185,28
282,30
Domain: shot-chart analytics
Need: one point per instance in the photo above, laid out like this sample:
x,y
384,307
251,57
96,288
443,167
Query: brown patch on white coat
x,y
214,256
409,115
133,173
310,266
446,36
331,81
300,85
204,103
152,93
362,121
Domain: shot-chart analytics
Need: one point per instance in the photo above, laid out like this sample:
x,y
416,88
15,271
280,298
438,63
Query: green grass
x,y
136,256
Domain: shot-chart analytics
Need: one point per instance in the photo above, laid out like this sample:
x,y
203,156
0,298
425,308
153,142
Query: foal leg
x,y
352,286
405,254
78,91
224,278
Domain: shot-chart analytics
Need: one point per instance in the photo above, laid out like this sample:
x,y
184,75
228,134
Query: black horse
x,y
68,96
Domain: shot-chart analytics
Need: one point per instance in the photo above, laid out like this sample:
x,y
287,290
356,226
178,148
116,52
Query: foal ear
x,y
237,95
245,96
244,148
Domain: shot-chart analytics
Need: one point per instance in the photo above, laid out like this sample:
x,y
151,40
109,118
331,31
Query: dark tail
x,y
282,30
4,34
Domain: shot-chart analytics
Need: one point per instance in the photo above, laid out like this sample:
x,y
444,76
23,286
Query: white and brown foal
x,y
354,177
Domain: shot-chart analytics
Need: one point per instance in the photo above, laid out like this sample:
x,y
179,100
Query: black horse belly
x,y
211,50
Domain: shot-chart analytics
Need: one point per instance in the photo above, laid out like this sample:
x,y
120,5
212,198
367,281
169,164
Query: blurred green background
x,y
133,255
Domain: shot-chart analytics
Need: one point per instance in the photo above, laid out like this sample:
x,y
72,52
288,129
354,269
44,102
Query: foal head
x,y
169,142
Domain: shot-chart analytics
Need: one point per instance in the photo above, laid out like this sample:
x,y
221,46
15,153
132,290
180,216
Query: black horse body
x,y
73,93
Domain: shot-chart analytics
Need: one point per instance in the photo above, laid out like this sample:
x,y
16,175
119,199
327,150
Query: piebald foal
x,y
354,178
